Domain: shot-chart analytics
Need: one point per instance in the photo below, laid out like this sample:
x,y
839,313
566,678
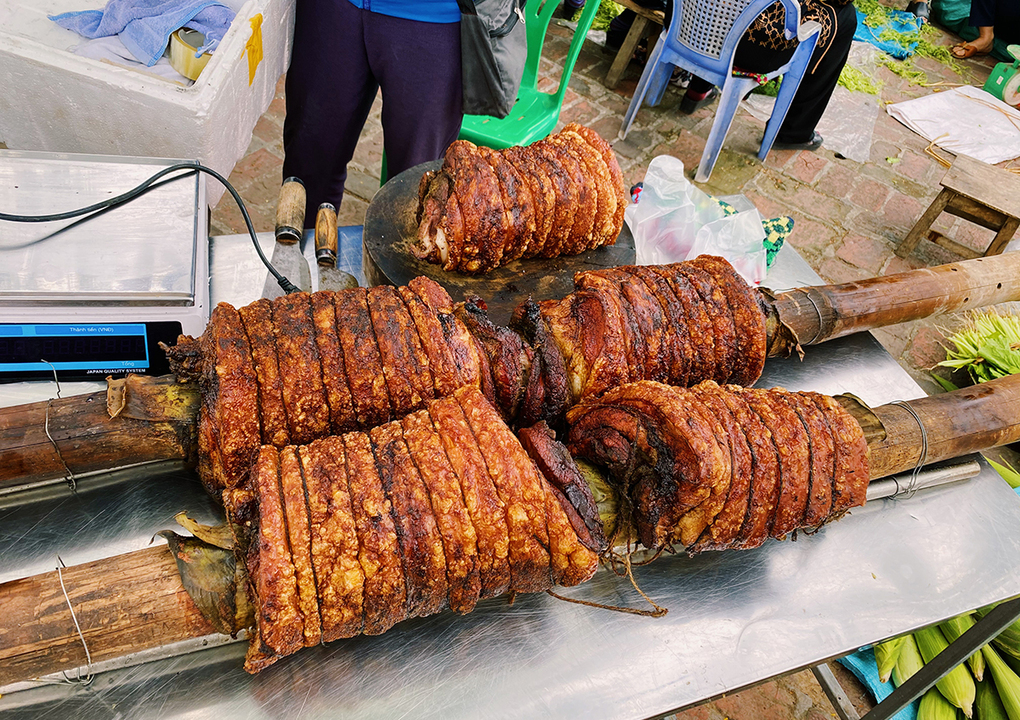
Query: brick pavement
x,y
849,217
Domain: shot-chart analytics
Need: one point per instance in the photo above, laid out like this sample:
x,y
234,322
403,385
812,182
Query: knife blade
x,y
287,257
326,246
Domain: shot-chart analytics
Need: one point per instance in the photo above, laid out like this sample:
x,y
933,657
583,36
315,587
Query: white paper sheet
x,y
964,120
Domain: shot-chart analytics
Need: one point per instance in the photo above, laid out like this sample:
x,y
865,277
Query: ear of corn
x,y
954,628
987,705
908,662
1006,682
935,707
886,654
1008,641
958,685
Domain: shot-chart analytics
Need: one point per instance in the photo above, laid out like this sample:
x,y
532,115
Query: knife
x,y
287,257
330,277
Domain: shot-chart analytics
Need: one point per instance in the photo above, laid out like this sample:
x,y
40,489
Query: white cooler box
x,y
57,101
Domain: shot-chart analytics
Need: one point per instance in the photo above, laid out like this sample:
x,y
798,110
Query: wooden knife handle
x,y
290,211
325,235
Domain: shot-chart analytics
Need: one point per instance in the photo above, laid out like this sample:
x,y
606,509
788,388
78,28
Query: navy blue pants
x,y
1003,15
342,56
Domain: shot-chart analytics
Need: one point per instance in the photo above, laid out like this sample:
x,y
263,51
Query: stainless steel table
x,y
735,618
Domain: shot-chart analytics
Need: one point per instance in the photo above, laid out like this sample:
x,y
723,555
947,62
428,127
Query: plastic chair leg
x,y
733,91
787,90
654,68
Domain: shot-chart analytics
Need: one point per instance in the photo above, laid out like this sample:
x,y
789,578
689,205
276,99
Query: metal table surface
x,y
735,618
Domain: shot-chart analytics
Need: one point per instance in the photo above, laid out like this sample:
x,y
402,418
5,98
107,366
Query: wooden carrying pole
x,y
137,601
816,314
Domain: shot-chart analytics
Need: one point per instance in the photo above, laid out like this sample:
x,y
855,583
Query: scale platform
x,y
90,298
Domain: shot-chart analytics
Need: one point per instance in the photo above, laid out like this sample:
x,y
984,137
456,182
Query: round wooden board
x,y
390,232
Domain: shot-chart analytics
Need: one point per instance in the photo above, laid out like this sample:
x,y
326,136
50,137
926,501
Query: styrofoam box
x,y
52,99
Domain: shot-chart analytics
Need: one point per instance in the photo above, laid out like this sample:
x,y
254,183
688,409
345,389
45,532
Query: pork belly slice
x,y
579,238
616,175
405,366
676,343
518,205
420,541
723,332
430,333
560,168
724,528
461,346
546,394
295,512
304,396
334,377
278,616
822,460
791,445
748,319
379,552
487,511
339,577
850,481
258,323
481,207
543,195
619,312
229,399
519,487
362,360
763,483
460,542
602,230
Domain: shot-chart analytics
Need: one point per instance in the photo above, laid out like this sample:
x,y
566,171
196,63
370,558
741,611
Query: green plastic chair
x,y
535,113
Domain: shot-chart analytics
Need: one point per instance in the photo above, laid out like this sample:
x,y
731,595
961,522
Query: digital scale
x,y
1004,80
95,297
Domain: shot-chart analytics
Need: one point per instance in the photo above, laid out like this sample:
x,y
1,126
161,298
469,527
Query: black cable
x,y
144,187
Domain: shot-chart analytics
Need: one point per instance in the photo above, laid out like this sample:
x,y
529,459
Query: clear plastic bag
x,y
673,221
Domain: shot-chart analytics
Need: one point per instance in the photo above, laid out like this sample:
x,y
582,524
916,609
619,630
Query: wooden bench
x,y
975,191
647,22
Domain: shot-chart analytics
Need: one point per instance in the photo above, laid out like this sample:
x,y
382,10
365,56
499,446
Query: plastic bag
x,y
674,221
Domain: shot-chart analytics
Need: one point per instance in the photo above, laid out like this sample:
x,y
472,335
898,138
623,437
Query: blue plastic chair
x,y
702,38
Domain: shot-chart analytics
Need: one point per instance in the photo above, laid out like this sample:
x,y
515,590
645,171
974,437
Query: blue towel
x,y
145,26
901,22
862,664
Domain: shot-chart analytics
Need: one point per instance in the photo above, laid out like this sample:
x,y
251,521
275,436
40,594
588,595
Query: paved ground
x,y
849,217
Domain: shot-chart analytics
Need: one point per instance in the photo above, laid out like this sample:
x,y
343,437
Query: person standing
x,y
344,53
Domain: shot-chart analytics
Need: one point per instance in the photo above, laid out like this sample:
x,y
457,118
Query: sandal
x,y
966,50
813,144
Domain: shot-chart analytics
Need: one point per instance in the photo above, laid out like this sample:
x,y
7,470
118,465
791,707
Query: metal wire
x,y
88,655
922,458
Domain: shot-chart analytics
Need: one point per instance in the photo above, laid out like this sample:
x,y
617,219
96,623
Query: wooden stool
x,y
649,21
981,193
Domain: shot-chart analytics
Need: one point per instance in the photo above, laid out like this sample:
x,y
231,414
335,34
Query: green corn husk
x,y
1008,641
957,686
886,654
1007,473
988,347
1006,682
954,628
908,662
987,704
935,707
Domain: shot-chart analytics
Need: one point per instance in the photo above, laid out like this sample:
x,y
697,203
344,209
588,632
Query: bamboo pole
x,y
123,605
957,423
813,315
67,437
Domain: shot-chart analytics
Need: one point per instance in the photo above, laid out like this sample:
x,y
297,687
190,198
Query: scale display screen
x,y
79,351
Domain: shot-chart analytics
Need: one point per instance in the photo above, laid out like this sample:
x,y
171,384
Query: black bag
x,y
493,50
